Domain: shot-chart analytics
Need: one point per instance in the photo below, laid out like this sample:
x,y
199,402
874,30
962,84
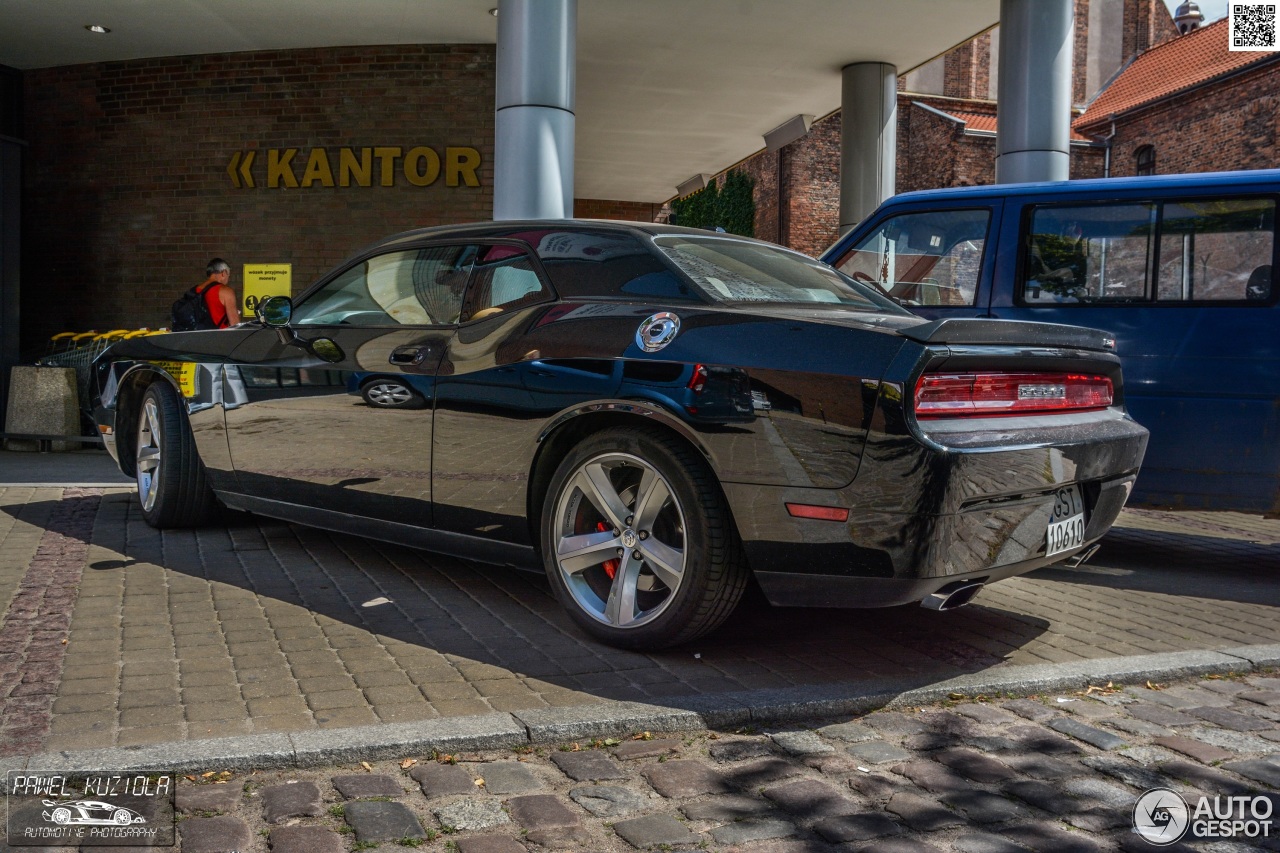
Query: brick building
x,y
946,124
1189,105
138,172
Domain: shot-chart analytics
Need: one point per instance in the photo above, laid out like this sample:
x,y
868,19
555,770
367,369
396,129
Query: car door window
x,y
503,278
927,258
414,287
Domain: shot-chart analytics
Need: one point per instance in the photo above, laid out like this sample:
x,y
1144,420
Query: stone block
x,y
207,798
587,766
223,834
685,778
360,785
296,799
42,401
856,827
753,829
609,800
471,814
440,780
508,777
306,839
378,821
654,830
811,799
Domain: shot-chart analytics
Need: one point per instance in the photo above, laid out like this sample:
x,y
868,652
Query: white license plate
x,y
1066,524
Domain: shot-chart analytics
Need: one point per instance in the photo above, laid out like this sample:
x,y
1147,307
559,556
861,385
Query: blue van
x,y
1177,267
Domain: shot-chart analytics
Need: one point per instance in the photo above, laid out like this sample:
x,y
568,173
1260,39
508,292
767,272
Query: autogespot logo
x,y
1161,816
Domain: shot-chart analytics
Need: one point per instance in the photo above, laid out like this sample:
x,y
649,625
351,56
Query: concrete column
x,y
533,132
868,139
1033,127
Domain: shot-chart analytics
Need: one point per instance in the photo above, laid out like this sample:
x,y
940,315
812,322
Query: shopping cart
x,y
78,351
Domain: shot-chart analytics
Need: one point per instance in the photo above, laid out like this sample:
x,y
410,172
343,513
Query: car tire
x,y
173,487
389,393
638,542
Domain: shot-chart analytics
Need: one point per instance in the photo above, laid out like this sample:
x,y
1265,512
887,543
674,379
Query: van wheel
x,y
638,542
172,485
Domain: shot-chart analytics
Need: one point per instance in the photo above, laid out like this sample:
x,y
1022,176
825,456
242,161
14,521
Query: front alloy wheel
x,y
638,542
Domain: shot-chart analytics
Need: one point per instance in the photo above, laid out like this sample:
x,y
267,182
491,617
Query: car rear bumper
x,y
922,518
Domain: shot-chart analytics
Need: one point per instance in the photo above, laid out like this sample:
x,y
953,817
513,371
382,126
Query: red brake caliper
x,y
610,566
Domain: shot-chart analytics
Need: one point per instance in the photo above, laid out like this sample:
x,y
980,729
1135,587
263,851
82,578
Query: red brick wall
x,y
813,180
1223,126
632,211
126,193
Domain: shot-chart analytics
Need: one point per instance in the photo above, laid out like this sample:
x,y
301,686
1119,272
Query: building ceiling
x,y
666,89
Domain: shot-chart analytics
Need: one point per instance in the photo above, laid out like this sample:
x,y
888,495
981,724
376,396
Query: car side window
x,y
414,287
502,279
928,258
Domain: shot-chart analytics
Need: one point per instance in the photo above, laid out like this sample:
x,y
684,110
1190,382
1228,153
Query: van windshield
x,y
736,271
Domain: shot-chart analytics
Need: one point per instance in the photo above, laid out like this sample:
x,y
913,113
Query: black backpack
x,y
190,312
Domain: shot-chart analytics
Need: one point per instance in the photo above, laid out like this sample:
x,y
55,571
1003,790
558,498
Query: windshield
x,y
729,270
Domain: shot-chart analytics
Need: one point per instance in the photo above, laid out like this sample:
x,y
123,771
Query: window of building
x,y
1145,160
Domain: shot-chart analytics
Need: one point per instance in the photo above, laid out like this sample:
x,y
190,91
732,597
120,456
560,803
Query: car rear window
x,y
605,265
728,270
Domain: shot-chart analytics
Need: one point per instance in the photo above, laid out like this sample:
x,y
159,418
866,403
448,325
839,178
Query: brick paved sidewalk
x,y
259,627
1058,772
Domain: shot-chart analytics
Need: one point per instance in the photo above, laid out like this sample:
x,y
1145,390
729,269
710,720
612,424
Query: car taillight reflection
x,y
985,394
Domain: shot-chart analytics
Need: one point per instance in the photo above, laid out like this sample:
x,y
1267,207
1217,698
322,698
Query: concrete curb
x,y
619,719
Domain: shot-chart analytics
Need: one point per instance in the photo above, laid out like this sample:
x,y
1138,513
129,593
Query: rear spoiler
x,y
1014,332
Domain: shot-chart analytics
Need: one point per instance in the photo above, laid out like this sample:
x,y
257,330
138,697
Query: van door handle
x,y
410,354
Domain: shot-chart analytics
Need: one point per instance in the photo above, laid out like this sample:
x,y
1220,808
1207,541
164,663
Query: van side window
x,y
1089,254
928,258
1203,251
1217,250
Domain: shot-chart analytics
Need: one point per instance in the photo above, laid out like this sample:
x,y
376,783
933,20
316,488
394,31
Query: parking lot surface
x,y
256,644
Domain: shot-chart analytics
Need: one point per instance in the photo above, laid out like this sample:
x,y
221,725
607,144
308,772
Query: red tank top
x,y
217,311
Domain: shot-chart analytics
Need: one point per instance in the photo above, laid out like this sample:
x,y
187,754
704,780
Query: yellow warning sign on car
x,y
184,372
262,281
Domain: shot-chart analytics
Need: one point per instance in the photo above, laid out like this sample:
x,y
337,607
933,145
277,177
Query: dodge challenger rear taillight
x,y
983,394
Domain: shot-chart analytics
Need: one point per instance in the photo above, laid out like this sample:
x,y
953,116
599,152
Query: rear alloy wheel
x,y
172,485
638,542
391,394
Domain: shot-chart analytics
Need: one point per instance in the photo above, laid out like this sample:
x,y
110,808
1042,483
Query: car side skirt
x,y
439,541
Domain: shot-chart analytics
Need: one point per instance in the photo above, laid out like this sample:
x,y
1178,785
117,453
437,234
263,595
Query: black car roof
x,y
512,228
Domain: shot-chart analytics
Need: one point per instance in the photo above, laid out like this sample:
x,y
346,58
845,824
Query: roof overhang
x,y
665,88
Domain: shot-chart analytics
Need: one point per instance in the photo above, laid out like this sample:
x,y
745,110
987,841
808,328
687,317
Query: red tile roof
x,y
1172,66
986,122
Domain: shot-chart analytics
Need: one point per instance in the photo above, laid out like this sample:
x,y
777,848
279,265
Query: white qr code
x,y
1253,26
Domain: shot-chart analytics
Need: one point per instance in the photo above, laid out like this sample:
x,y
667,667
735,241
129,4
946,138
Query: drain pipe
x,y
1106,156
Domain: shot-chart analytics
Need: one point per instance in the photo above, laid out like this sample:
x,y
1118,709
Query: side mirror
x,y
275,311
326,350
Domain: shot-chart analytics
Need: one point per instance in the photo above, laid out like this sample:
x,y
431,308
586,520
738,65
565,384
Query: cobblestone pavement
x,y
129,641
1058,772
117,635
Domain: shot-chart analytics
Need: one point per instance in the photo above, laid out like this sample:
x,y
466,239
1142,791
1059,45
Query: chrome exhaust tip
x,y
1081,558
952,595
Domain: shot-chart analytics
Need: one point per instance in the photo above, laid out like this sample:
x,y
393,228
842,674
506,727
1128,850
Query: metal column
x,y
868,139
533,132
1033,126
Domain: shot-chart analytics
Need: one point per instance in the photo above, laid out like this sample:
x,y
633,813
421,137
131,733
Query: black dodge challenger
x,y
653,415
